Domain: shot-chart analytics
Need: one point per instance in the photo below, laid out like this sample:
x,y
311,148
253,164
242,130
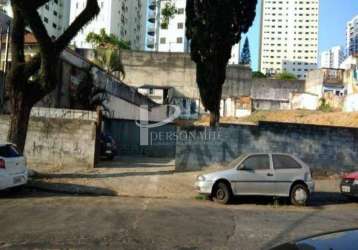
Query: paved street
x,y
31,219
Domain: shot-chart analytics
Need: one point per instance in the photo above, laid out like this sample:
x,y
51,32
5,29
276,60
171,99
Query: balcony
x,y
150,42
151,16
333,76
152,5
151,30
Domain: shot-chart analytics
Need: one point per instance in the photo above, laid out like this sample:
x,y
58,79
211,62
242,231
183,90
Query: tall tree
x,y
108,52
110,59
245,57
213,27
29,81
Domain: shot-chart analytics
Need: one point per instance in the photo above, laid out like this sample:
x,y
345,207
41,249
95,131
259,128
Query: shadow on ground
x,y
318,200
137,162
44,189
100,176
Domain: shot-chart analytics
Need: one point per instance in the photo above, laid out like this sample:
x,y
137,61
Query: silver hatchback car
x,y
279,175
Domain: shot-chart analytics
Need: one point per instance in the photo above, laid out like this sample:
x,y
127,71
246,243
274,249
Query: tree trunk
x,y
19,120
214,119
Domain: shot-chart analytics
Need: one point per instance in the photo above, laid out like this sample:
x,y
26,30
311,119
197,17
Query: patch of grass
x,y
201,197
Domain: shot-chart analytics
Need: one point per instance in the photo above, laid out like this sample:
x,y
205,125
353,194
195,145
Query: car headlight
x,y
201,178
355,182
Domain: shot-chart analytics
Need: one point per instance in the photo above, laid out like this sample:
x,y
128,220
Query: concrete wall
x,y
351,103
304,101
121,109
321,147
57,142
177,70
314,82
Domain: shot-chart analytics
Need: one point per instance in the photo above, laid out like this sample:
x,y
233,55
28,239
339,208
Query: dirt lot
x,y
147,177
295,116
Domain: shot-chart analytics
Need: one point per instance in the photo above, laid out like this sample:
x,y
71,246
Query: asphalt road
x,y
37,220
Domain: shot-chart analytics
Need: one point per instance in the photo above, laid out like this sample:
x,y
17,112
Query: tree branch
x,y
17,37
91,10
37,27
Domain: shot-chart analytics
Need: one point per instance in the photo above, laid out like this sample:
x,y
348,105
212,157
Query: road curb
x,y
70,189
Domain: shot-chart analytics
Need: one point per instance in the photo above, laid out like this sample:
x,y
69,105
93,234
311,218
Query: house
x,y
272,94
326,81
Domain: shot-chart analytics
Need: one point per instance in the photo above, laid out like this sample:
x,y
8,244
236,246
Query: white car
x,y
280,175
13,170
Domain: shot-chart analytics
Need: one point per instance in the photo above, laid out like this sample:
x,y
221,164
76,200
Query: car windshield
x,y
235,163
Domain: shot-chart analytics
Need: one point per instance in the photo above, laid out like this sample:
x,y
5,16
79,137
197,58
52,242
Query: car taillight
x,y
2,164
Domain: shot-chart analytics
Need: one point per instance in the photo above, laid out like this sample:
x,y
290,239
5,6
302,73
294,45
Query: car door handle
x,y
270,174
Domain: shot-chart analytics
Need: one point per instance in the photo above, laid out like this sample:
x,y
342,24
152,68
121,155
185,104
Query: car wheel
x,y
222,193
299,195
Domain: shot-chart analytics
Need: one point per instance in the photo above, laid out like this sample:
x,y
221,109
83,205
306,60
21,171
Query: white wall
x,y
121,109
304,101
351,103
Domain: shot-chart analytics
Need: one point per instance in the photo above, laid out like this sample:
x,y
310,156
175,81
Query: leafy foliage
x,y
286,76
245,57
258,74
110,60
213,27
167,13
107,52
324,106
103,40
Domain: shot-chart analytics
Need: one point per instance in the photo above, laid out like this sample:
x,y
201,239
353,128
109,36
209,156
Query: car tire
x,y
299,195
222,193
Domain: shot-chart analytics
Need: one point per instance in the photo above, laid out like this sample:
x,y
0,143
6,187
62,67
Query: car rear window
x,y
9,151
285,162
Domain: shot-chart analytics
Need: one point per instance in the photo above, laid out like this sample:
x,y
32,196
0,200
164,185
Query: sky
x,y
334,15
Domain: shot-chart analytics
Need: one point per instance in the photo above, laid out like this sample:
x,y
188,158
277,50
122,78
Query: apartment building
x,y
332,58
352,37
124,18
289,36
171,38
55,15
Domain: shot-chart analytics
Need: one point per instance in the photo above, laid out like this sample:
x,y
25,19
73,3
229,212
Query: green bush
x,y
324,106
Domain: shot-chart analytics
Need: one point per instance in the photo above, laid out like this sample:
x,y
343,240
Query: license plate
x,y
17,180
346,189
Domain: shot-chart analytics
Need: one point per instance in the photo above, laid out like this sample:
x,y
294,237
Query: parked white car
x,y
279,175
13,170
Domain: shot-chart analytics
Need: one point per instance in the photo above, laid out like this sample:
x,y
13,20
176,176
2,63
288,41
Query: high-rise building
x,y
126,19
332,58
289,36
171,37
55,15
352,37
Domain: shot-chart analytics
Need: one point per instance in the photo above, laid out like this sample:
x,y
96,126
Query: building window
x,y
179,40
